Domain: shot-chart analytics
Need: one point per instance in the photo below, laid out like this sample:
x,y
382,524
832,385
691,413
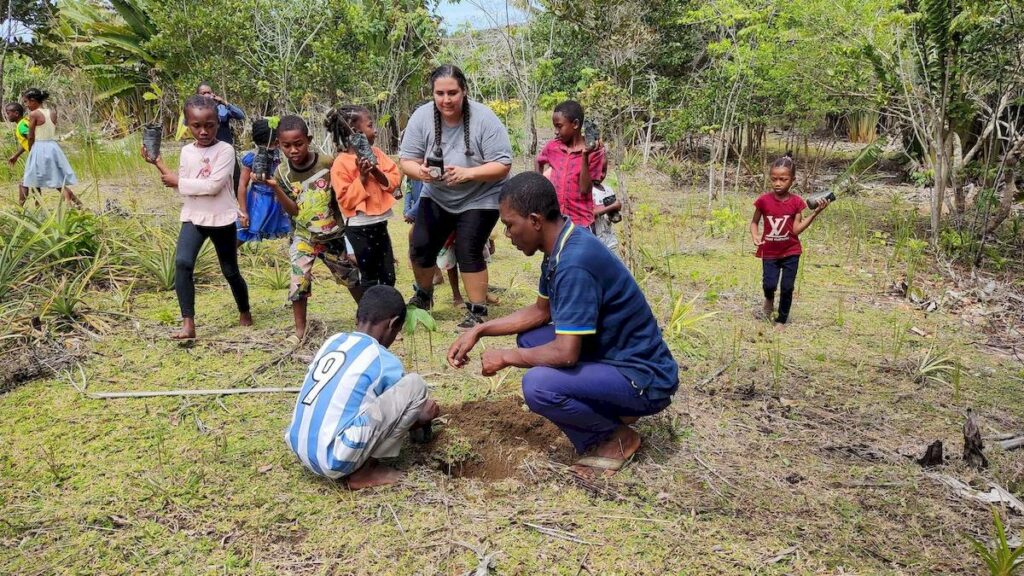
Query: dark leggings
x,y
770,272
374,255
435,224
190,241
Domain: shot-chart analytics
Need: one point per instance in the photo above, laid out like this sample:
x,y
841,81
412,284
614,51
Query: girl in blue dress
x,y
260,216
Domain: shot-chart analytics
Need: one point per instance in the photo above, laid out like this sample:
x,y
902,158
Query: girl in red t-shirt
x,y
778,242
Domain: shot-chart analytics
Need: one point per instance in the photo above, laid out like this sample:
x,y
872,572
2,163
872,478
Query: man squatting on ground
x,y
357,403
595,354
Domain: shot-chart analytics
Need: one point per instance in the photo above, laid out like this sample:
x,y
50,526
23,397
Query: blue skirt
x,y
48,167
267,219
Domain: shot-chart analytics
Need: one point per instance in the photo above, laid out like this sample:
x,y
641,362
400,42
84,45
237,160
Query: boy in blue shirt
x,y
357,403
595,354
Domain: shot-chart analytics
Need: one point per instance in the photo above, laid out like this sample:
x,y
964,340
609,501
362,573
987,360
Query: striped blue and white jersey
x,y
329,427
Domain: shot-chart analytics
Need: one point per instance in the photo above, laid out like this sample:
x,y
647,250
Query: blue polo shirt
x,y
225,114
593,295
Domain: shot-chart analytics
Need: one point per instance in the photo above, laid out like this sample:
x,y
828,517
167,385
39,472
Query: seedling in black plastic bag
x,y
591,134
815,199
363,149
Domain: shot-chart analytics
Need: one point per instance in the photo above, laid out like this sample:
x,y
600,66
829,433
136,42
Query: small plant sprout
x,y
685,324
777,363
1001,560
898,337
276,277
456,450
414,318
936,367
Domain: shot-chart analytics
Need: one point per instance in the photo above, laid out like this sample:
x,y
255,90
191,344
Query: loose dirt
x,y
502,435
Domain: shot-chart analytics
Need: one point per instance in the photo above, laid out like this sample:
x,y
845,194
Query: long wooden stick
x,y
212,392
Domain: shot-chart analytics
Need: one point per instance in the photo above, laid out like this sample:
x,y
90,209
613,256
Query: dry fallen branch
x,y
210,392
996,494
556,533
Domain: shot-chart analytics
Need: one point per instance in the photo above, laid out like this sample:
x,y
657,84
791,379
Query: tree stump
x,y
973,445
932,456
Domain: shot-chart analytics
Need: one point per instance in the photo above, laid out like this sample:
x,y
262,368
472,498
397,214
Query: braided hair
x,y
451,71
786,161
340,122
36,94
262,133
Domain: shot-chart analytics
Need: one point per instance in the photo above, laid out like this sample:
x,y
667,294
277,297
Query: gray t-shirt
x,y
488,140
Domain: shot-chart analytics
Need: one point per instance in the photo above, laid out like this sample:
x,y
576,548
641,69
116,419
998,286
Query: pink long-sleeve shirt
x,y
205,185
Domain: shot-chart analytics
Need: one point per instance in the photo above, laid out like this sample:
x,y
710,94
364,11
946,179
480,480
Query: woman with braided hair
x,y
461,152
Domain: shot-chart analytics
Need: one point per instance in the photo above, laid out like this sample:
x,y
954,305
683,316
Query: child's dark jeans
x,y
771,271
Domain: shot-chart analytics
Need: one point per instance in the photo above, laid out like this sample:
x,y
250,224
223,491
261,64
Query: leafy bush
x,y
723,220
550,100
63,234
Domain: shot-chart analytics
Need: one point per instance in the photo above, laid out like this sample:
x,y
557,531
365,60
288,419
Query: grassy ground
x,y
789,461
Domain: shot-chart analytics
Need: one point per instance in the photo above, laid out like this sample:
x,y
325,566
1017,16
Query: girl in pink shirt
x,y
778,242
209,210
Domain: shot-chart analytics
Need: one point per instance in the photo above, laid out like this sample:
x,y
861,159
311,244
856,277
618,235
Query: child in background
x,y
303,187
15,114
603,215
413,191
209,210
381,402
778,243
563,159
365,193
260,215
47,166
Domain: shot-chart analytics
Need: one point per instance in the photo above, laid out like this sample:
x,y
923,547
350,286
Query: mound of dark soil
x,y
501,434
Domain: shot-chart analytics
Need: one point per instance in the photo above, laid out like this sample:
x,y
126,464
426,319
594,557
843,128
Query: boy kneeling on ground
x,y
357,403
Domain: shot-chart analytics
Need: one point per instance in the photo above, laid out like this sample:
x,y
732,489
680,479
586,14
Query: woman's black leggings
x,y
434,225
190,241
771,270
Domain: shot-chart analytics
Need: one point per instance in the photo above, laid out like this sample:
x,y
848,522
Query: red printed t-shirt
x,y
777,218
565,175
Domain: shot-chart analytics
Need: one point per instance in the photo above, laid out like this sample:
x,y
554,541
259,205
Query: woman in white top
x,y
47,166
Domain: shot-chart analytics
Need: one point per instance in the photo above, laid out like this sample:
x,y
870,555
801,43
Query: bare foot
x,y
768,308
492,299
373,474
457,301
428,412
187,332
780,327
622,444
245,319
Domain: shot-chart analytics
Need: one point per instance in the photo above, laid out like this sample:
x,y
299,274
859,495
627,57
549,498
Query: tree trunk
x,y
531,127
9,25
939,188
956,167
1011,160
627,219
648,140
